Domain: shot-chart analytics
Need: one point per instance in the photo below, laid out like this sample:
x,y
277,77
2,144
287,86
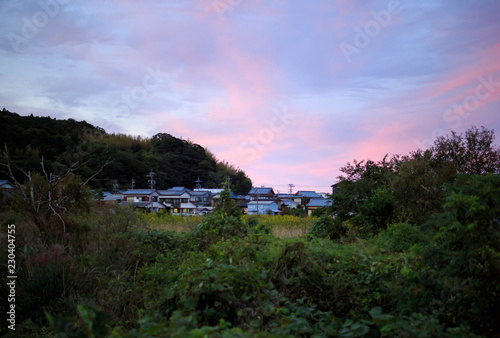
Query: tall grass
x,y
281,226
286,226
164,221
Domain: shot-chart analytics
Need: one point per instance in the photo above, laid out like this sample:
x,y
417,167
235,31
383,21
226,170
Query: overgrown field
x,y
410,247
282,226
119,276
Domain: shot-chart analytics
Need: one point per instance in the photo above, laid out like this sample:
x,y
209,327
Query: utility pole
x,y
228,183
258,196
198,183
152,183
133,183
115,186
53,178
291,187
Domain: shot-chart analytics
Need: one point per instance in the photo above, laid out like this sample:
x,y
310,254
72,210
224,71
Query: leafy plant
x,y
328,227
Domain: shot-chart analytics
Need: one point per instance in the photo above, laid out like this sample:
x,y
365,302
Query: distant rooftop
x,y
260,191
319,202
138,192
307,193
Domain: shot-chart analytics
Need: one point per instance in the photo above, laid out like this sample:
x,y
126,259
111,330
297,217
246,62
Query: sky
x,y
287,90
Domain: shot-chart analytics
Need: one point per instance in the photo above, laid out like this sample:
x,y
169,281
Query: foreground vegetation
x,y
229,276
413,250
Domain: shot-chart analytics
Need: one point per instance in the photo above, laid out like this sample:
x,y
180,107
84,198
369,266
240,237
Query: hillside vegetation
x,y
413,250
67,143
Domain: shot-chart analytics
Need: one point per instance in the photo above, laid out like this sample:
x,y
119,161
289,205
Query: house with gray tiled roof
x,y
139,195
317,203
262,193
263,207
290,200
6,190
178,200
308,194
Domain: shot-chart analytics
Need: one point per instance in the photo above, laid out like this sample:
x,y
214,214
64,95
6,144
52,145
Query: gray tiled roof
x,y
260,191
309,194
138,192
176,191
319,202
262,202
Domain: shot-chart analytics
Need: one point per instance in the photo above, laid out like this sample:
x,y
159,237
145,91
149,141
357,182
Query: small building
x,y
200,197
288,200
262,193
178,200
139,195
317,203
263,208
307,194
334,187
6,190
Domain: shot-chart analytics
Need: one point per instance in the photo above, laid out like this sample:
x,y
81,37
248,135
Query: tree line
x,y
64,144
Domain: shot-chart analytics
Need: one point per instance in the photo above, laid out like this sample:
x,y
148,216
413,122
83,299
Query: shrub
x,y
328,227
466,254
378,211
400,237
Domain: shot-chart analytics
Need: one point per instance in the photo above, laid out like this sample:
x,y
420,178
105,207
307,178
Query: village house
x,y
317,203
6,190
262,193
178,200
142,199
263,208
288,200
139,195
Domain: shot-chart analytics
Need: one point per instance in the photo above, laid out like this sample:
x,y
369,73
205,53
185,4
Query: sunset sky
x,y
289,91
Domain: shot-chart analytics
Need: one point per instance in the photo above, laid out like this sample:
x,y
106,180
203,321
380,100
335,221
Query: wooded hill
x,y
66,143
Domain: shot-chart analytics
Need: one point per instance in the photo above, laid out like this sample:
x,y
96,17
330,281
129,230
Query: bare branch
x,y
108,161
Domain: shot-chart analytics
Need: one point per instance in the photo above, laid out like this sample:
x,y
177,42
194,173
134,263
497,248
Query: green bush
x,y
401,237
377,212
328,227
465,255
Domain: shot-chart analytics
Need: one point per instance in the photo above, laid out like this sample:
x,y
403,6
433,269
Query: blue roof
x,y
138,192
319,202
260,191
310,194
286,196
175,191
